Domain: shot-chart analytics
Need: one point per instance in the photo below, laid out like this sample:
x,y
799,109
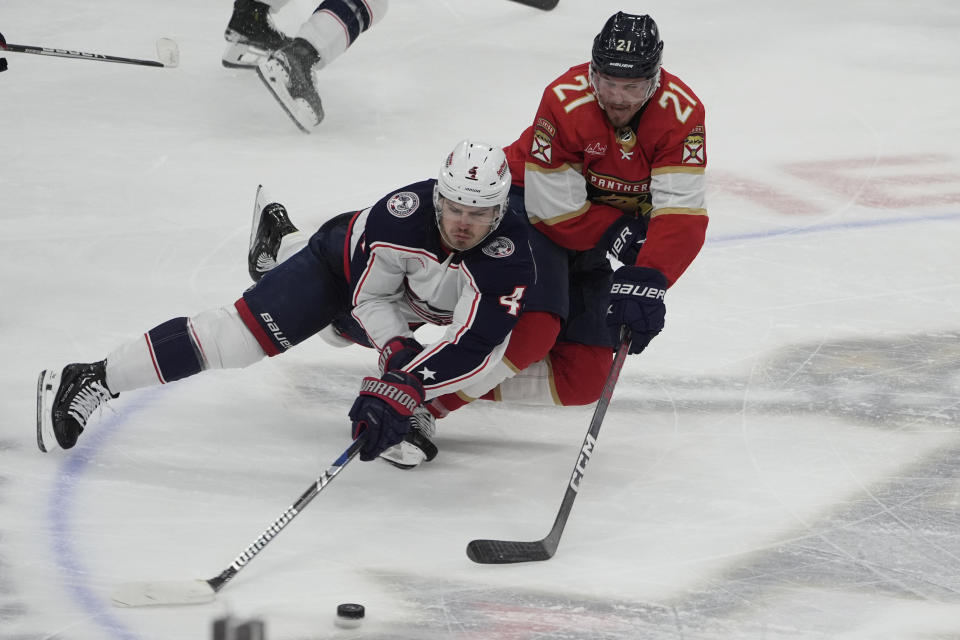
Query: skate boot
x,y
65,401
416,445
251,34
288,73
270,224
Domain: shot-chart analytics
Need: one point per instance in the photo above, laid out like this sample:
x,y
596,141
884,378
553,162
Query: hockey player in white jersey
x,y
287,65
440,251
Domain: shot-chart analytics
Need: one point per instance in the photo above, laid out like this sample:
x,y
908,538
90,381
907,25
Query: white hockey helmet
x,y
474,174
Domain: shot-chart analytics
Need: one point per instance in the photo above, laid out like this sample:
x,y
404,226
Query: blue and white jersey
x,y
401,274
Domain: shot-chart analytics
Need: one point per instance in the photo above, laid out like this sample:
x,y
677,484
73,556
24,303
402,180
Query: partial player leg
x,y
289,72
336,24
173,350
252,34
303,294
269,226
288,305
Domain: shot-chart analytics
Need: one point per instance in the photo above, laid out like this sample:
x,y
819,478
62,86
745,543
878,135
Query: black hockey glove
x,y
624,238
398,352
382,410
636,300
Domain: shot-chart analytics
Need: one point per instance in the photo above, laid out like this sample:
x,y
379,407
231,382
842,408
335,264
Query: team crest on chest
x,y
403,204
499,247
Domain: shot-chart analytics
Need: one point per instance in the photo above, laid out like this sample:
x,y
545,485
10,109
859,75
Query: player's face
x,y
463,226
622,97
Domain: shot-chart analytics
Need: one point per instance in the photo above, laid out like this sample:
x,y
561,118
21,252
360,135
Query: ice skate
x,y
416,446
65,400
288,73
251,34
270,224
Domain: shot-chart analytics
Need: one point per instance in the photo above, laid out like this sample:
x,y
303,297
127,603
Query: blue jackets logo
x,y
403,204
500,247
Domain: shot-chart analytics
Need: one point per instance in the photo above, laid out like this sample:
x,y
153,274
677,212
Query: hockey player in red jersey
x,y
614,164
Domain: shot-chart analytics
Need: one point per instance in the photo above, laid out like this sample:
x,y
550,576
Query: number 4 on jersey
x,y
512,301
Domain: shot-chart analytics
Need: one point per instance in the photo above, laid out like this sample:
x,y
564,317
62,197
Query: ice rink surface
x,y
781,463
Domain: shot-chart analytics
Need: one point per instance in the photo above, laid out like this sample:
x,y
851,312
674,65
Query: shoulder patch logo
x,y
499,247
546,126
540,149
693,147
403,204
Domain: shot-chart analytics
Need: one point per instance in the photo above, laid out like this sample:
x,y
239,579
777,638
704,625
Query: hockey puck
x,y
350,615
3,64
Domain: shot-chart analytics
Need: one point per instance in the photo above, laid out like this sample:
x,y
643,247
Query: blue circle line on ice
x,y
60,511
831,226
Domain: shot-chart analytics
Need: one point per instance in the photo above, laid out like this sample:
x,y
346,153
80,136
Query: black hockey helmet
x,y
628,46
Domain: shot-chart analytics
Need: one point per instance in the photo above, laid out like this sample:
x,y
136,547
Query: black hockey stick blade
x,y
511,551
545,5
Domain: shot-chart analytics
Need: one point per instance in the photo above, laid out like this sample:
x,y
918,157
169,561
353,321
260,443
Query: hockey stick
x,y
167,51
510,551
179,592
546,5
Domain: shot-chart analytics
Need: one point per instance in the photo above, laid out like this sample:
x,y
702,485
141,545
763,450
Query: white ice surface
x,y
781,463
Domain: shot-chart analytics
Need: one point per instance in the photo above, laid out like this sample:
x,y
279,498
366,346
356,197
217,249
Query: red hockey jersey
x,y
581,174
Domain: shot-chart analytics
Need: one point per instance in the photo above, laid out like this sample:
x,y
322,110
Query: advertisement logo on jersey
x,y
693,147
547,126
403,204
541,148
499,247
596,149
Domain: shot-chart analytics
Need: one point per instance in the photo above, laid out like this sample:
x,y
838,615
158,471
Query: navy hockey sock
x,y
175,350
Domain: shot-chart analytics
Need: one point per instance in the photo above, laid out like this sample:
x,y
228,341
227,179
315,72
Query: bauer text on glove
x,y
636,301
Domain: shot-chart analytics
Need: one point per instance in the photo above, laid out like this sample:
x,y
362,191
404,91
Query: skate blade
x,y
296,108
259,204
46,388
